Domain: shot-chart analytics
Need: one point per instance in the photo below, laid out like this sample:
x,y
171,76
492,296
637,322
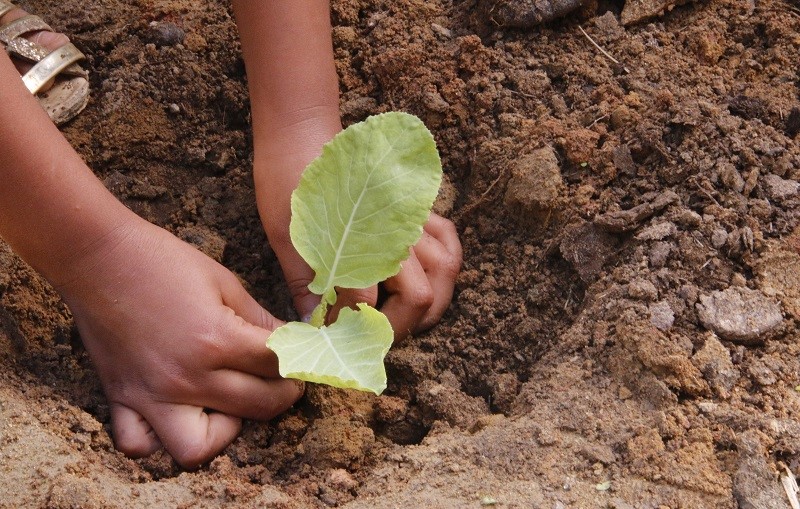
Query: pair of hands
x,y
179,345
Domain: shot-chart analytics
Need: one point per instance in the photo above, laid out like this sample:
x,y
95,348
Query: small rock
x,y
527,13
778,189
740,315
164,33
688,218
761,373
719,237
623,160
730,176
641,289
607,24
441,31
659,254
535,187
174,108
661,315
434,101
636,11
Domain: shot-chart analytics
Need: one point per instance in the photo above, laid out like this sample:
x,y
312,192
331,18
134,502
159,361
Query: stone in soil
x,y
740,315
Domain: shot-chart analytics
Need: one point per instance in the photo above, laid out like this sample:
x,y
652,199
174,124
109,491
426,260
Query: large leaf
x,y
348,353
363,202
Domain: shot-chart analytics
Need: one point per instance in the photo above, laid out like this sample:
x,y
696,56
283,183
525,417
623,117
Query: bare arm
x,y
294,95
52,208
295,107
170,332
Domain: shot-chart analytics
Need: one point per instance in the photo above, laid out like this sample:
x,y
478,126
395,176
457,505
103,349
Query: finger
x,y
410,296
243,304
349,297
191,435
133,436
297,273
236,393
239,345
441,269
445,232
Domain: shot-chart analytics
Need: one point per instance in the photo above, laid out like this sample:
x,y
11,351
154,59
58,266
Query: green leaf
x,y
361,205
348,353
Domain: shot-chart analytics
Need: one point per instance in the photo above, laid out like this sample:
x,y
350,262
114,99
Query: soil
x,y
624,332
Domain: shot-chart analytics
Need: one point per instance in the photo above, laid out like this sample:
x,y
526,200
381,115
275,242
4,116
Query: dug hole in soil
x,y
624,330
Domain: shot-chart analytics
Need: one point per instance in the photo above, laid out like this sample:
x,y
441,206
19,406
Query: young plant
x,y
357,211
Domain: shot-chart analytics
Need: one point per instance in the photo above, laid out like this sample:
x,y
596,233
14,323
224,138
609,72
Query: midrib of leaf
x,y
350,221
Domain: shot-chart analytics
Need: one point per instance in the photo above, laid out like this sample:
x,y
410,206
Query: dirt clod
x,y
740,315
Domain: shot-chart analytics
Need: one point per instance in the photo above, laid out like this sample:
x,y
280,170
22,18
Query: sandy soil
x,y
625,329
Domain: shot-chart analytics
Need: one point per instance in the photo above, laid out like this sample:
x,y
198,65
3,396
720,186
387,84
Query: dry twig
x,y
604,52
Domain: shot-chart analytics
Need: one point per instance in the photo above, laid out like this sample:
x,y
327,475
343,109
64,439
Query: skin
x,y
191,337
295,108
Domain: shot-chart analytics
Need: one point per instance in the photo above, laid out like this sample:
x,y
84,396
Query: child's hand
x,y
417,297
178,343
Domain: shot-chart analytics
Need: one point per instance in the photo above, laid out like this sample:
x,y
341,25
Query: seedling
x,y
357,211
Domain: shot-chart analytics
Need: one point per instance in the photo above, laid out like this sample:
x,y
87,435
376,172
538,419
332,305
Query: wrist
x,y
279,162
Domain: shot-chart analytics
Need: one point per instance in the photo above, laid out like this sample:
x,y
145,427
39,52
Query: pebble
x,y
740,315
661,315
641,289
164,33
778,189
535,186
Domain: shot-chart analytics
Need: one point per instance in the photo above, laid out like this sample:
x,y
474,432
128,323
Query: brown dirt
x,y
598,204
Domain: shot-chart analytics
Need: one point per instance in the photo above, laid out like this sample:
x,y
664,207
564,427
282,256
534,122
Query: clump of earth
x,y
624,332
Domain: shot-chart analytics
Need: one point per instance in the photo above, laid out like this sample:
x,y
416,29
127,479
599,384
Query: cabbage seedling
x,y
357,211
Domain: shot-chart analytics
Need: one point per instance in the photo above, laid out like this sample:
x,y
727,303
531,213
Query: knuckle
x,y
359,296
421,297
268,406
192,451
299,287
450,265
133,445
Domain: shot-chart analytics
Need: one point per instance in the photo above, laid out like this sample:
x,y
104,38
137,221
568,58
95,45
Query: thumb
x,y
298,276
244,305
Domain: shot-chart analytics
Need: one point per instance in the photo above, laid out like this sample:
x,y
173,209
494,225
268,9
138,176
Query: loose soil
x,y
624,333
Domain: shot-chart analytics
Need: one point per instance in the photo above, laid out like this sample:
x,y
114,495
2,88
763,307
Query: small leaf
x,y
363,202
348,353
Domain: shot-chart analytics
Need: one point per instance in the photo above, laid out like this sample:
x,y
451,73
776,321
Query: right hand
x,y
179,345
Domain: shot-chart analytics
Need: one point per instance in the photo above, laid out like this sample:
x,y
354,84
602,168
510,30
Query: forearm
x,y
53,210
294,91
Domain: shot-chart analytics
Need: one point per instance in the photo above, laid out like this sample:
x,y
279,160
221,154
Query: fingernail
x,y
306,318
